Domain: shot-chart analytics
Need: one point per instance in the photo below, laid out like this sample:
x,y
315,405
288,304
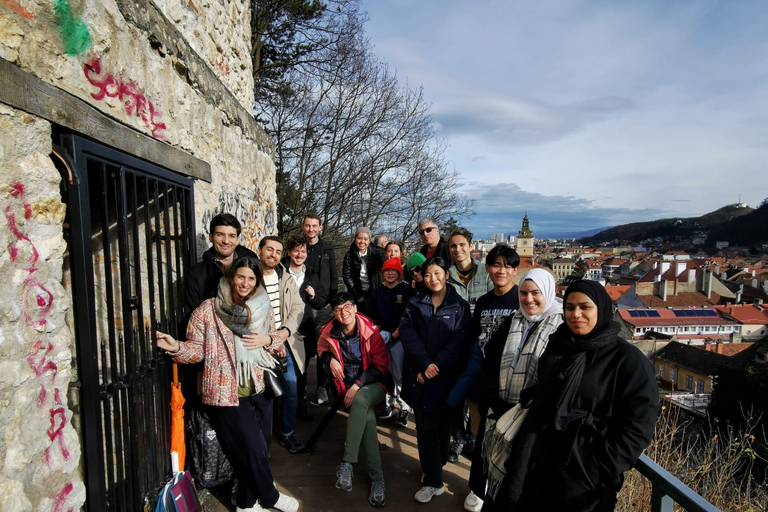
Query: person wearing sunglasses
x,y
352,346
434,245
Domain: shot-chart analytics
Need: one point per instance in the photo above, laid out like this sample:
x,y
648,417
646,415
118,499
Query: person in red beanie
x,y
385,307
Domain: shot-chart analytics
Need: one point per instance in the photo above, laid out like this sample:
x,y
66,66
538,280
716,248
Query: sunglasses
x,y
426,230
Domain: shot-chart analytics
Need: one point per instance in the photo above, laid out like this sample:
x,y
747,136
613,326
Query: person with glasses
x,y
491,310
434,330
434,245
353,348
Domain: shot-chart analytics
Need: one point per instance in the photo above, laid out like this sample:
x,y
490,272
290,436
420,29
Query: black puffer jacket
x,y
353,262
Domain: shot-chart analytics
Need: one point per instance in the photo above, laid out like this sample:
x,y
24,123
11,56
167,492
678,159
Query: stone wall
x,y
39,449
175,70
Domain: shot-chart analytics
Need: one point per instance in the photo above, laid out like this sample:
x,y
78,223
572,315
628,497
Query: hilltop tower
x,y
525,240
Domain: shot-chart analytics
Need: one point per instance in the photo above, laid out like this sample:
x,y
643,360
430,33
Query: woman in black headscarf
x,y
593,413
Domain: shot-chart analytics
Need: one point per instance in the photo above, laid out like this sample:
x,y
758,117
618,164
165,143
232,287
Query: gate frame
x,y
78,201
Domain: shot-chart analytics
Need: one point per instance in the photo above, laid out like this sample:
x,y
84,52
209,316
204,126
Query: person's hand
x,y
256,340
283,333
396,334
432,371
350,395
310,292
336,370
361,299
279,352
166,342
420,379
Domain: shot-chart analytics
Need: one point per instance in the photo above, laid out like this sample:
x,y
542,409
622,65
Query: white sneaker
x,y
255,508
425,494
473,503
286,503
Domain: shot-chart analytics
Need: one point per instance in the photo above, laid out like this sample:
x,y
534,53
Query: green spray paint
x,y
73,29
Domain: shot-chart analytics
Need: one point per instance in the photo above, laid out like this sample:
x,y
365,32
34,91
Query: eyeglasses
x,y
345,308
426,230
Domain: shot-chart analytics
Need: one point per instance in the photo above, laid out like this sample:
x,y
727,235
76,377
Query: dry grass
x,y
717,467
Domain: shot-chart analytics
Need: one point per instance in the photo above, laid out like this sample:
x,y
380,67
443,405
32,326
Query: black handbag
x,y
205,458
274,383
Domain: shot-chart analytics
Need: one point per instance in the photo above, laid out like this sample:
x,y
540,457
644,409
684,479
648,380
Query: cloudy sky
x,y
589,113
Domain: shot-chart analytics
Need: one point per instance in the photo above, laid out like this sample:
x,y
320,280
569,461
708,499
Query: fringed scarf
x,y
248,362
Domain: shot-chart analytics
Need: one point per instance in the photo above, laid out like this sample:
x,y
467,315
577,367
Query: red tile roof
x,y
615,292
746,314
683,299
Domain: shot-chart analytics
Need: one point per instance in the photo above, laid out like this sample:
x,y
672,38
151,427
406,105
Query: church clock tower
x,y
525,240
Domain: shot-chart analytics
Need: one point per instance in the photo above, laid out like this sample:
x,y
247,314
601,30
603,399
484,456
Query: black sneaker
x,y
291,444
457,445
378,495
402,418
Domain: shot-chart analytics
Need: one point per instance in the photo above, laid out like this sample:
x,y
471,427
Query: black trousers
x,y
245,433
433,434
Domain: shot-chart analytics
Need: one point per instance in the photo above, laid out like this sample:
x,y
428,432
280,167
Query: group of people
x,y
457,343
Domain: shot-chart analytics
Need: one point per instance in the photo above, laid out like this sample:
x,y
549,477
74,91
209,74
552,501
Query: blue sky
x,y
589,113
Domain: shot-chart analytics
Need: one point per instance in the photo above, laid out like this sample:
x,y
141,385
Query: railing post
x,y
660,501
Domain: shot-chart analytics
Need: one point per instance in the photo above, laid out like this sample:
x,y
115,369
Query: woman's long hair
x,y
253,264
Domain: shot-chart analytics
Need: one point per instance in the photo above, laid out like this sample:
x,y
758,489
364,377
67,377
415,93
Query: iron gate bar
x,y
126,398
87,346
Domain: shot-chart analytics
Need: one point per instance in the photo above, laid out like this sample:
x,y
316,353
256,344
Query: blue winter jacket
x,y
441,337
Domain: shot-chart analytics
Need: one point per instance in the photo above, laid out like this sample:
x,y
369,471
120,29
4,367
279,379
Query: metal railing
x,y
666,489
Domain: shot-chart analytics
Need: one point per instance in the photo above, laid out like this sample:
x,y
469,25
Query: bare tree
x,y
355,145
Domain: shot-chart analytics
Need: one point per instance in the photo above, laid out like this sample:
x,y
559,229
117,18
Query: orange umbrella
x,y
177,419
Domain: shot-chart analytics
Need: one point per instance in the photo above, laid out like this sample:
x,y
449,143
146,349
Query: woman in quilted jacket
x,y
233,334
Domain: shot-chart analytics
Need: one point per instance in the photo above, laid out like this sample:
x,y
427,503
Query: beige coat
x,y
291,312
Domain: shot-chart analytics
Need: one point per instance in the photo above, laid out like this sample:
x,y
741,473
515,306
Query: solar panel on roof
x,y
633,313
653,314
707,312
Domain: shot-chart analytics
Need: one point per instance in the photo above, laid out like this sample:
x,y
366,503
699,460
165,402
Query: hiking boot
x,y
473,503
378,495
388,413
344,475
286,504
426,493
455,451
291,444
402,418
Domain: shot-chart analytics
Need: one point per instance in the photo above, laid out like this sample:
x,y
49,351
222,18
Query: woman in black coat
x,y
362,267
434,330
593,413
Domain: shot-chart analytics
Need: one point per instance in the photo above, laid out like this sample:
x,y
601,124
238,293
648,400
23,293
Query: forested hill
x,y
743,226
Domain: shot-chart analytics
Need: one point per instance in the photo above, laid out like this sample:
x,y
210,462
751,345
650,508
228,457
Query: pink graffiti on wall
x,y
61,498
134,101
37,304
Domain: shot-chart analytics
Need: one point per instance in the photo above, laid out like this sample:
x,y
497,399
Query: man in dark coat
x,y
434,245
321,261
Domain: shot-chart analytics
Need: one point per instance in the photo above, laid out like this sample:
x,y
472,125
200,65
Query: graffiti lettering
x,y
135,103
61,498
37,297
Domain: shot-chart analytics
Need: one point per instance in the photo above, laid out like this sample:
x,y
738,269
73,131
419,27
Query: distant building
x,y
497,238
525,240
692,325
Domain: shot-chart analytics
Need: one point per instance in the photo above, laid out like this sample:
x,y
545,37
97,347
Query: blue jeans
x,y
289,398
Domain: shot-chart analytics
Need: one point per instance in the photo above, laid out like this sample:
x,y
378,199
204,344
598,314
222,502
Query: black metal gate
x,y
131,239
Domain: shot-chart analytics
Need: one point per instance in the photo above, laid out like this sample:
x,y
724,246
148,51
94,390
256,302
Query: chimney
x,y
680,267
719,346
717,268
691,275
739,294
663,290
708,283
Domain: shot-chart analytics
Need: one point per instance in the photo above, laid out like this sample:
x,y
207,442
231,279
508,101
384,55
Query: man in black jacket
x,y
321,260
434,245
202,282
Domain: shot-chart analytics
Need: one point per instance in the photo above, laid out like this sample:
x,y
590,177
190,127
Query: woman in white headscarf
x,y
511,360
